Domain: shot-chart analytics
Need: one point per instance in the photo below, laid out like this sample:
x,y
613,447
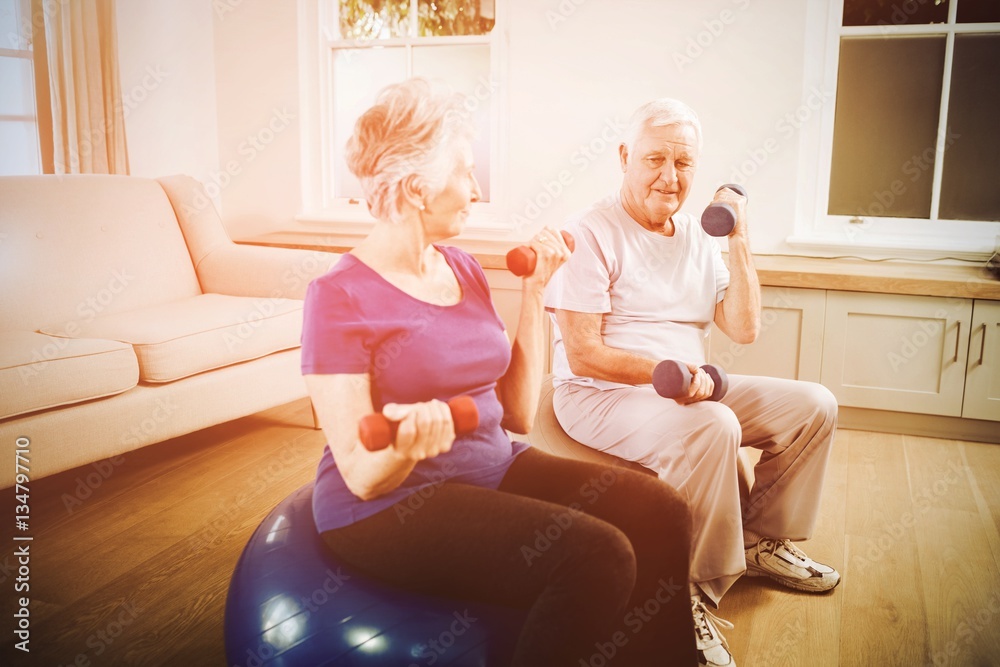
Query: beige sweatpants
x,y
693,448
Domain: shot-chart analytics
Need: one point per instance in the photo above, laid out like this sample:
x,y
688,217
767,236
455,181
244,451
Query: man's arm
x,y
738,314
588,356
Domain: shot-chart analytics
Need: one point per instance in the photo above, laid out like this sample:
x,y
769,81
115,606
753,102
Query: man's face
x,y
659,171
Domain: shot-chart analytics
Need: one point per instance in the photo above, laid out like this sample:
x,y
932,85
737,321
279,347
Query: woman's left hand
x,y
551,251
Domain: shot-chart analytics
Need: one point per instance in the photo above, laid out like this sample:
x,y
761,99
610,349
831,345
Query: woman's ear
x,y
411,191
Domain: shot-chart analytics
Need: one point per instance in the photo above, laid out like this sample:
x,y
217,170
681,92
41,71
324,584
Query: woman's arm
x,y
425,430
520,386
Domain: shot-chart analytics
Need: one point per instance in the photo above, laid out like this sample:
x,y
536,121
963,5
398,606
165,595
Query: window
x,y
910,156
18,121
365,45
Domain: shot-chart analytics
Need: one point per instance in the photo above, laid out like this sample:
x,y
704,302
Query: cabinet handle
x,y
958,339
982,346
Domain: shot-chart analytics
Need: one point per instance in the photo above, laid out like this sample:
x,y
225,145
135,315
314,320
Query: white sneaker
x,y
713,651
787,564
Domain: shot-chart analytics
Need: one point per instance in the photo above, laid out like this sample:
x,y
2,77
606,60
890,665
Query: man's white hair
x,y
658,113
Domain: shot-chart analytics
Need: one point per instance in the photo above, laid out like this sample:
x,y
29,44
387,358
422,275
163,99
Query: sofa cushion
x,y
39,371
177,339
87,245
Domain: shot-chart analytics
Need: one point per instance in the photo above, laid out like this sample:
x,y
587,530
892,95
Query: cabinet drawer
x,y
893,352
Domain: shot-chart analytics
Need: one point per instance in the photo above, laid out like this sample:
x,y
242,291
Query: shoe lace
x,y
706,624
770,546
792,549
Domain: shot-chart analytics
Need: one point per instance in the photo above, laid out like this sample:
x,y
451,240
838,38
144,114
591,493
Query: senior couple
x,y
643,285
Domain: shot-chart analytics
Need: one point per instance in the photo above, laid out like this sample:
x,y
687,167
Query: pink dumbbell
x,y
377,432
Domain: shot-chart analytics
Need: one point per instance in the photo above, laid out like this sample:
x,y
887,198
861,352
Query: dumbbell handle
x,y
672,379
522,259
719,218
377,432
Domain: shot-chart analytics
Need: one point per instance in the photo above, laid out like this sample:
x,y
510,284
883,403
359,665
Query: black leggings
x,y
597,554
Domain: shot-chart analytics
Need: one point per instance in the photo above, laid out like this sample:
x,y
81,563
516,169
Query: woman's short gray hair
x,y
664,111
411,130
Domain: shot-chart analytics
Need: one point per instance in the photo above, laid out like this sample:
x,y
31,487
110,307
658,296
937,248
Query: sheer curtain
x,y
81,122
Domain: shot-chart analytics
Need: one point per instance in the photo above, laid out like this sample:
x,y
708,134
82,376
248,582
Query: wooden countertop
x,y
888,277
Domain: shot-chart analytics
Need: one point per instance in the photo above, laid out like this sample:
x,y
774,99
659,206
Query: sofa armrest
x,y
244,270
224,267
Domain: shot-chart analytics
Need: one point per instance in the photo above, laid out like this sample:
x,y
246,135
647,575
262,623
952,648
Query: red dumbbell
x,y
521,260
671,379
719,218
377,432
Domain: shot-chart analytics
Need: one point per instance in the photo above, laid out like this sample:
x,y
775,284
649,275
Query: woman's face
x,y
446,213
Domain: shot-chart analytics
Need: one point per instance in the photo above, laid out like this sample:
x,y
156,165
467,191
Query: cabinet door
x,y
895,352
790,343
982,383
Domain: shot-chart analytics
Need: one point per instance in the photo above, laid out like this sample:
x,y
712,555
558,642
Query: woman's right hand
x,y
425,429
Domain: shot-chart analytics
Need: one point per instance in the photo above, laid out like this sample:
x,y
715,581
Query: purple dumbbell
x,y
719,217
671,379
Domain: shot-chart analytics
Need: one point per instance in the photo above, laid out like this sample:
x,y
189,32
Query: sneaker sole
x,y
754,571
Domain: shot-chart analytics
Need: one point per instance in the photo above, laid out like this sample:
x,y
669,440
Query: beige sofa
x,y
128,317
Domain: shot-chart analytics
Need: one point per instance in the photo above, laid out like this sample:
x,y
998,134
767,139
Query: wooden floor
x,y
130,561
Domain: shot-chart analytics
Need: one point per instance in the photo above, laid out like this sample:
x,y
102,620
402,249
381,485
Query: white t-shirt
x,y
657,293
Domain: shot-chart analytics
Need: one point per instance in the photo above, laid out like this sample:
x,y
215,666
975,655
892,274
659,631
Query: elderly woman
x,y
402,324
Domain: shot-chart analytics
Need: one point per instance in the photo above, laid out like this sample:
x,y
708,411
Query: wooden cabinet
x,y
982,385
791,326
900,353
893,352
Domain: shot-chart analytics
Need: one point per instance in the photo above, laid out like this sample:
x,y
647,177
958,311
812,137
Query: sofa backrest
x,y
75,247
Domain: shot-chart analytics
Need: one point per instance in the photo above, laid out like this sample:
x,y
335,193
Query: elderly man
x,y
644,285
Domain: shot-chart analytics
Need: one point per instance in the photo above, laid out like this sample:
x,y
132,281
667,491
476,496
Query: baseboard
x,y
934,426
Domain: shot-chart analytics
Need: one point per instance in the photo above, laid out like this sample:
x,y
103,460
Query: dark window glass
x,y
896,12
885,127
978,11
970,186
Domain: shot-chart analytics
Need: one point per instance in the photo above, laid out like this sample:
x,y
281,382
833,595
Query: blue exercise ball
x,y
291,603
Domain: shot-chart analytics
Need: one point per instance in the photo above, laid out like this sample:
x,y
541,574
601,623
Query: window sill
x,y
859,243
355,222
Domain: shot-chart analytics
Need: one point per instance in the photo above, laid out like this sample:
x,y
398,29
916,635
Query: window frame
x,y
318,41
24,23
904,238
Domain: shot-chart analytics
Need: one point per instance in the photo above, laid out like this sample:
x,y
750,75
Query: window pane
x,y
18,98
970,186
358,76
19,156
455,17
466,68
896,12
15,24
885,127
978,11
374,19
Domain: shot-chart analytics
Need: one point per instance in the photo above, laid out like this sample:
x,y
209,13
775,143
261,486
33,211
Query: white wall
x,y
256,67
576,68
168,86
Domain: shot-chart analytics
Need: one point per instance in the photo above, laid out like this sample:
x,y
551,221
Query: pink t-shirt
x,y
357,322
657,293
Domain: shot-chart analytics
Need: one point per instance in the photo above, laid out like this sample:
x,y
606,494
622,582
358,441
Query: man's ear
x,y
623,156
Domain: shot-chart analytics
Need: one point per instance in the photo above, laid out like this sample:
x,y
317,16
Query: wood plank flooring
x,y
131,558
